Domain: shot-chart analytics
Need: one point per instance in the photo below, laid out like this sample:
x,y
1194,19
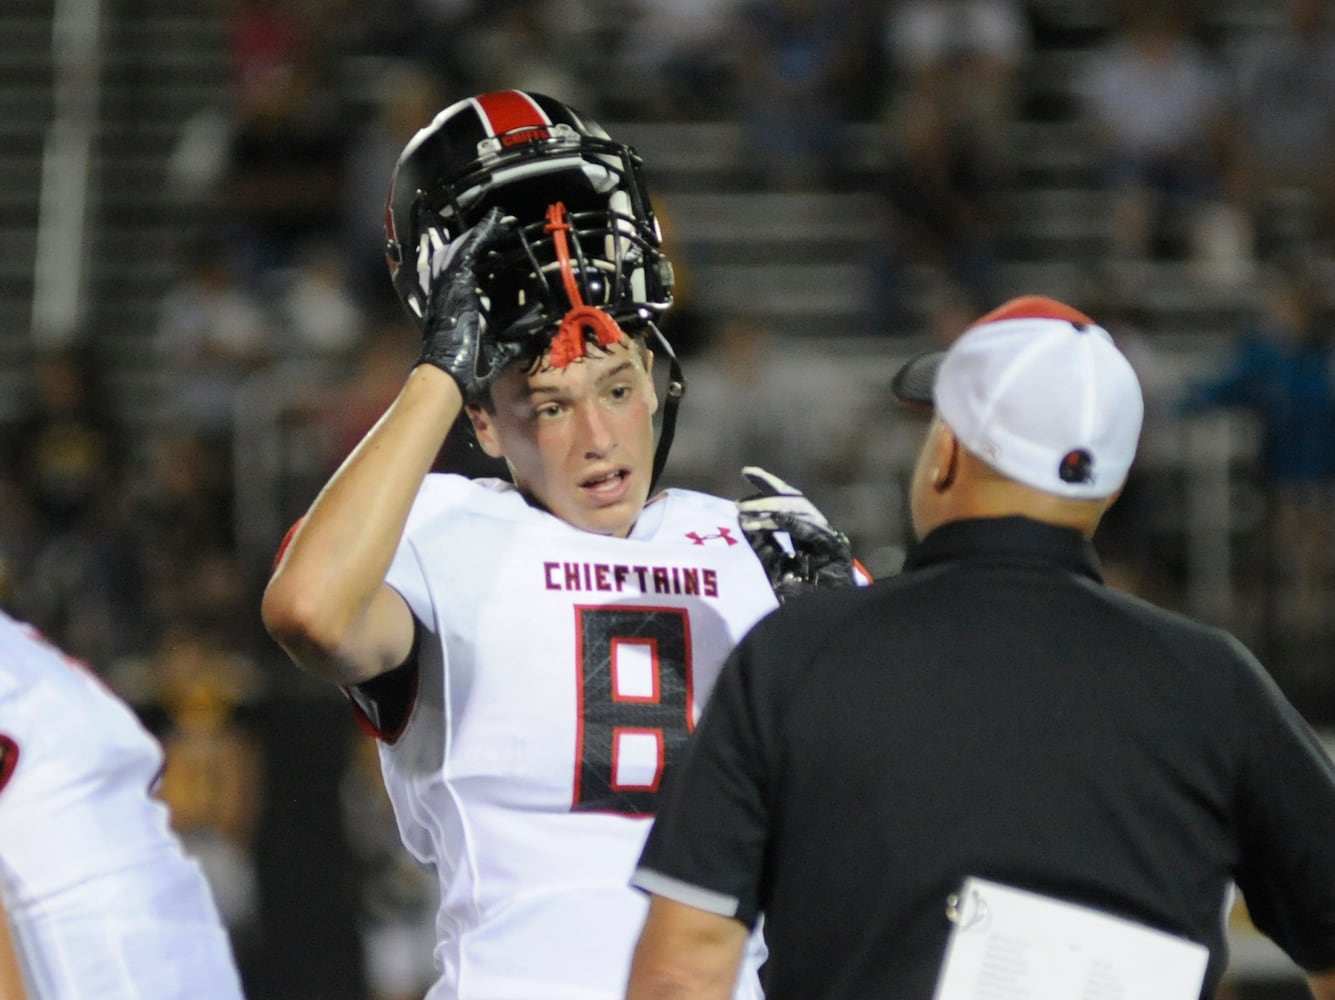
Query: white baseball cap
x,y
1038,391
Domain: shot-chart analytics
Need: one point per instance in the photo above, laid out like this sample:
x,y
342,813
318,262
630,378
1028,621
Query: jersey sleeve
x,y
707,843
408,579
438,495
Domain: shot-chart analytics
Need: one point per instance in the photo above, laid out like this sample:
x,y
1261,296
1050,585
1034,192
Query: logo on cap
x,y
1077,466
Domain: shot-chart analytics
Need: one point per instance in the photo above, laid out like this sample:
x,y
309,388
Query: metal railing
x,y
61,264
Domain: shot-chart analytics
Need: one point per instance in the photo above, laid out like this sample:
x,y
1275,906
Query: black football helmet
x,y
527,153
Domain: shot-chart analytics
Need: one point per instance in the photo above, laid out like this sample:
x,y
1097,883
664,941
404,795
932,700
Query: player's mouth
x,y
607,488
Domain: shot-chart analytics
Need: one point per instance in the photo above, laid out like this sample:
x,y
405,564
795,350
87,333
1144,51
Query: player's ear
x,y
484,429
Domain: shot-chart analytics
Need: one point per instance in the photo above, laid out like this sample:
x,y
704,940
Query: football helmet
x,y
585,238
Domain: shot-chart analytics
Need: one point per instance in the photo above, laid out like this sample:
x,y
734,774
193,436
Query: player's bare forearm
x,y
326,602
685,954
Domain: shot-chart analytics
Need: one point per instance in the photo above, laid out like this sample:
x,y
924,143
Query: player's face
x,y
579,440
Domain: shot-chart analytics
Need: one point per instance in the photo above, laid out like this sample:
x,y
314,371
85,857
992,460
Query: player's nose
x,y
595,429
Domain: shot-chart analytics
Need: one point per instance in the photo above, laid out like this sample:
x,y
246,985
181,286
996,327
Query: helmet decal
x,y
512,116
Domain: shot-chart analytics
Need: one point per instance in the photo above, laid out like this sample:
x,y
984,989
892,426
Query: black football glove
x,y
792,539
454,334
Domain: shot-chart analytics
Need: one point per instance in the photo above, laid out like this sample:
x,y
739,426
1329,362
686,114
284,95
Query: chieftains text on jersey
x,y
618,578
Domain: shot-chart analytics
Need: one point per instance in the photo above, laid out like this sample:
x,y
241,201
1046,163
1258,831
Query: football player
x,y
532,651
99,898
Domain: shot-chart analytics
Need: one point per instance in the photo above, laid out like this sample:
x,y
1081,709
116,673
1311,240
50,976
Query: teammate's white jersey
x,y
104,904
559,672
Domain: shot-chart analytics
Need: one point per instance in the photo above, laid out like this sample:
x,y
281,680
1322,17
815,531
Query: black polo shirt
x,y
993,711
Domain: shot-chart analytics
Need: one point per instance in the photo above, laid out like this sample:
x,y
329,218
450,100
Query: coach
x,y
992,775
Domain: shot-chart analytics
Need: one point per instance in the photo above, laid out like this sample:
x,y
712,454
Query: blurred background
x,y
196,325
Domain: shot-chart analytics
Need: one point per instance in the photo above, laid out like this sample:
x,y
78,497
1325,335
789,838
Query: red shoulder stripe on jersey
x,y
287,540
9,759
507,110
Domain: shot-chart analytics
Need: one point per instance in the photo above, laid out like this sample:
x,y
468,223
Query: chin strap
x,y
676,388
568,344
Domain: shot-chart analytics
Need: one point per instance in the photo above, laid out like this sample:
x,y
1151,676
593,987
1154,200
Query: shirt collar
x,y
1008,539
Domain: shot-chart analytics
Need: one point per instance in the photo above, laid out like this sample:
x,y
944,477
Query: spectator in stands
x,y
65,455
1286,130
741,379
320,318
177,517
955,69
66,447
406,94
433,34
264,37
956,66
792,88
283,177
673,51
1161,105
349,407
1280,370
534,45
213,331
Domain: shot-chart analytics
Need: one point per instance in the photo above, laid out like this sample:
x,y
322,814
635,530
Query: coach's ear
x,y
945,458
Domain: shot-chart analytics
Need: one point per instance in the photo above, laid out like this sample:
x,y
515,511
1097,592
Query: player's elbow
x,y
339,637
302,623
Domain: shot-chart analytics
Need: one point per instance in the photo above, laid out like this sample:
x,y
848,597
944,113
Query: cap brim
x,y
915,384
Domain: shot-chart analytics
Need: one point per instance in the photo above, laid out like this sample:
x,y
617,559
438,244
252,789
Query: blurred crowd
x,y
129,545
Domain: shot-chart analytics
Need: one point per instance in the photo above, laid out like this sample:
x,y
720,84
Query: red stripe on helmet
x,y
507,110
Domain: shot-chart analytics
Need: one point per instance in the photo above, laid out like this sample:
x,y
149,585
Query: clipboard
x,y
1011,944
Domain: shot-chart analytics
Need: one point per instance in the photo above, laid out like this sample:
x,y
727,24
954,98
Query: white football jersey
x,y
560,673
103,903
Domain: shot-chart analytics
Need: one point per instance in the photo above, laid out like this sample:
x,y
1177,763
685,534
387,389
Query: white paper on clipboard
x,y
1010,944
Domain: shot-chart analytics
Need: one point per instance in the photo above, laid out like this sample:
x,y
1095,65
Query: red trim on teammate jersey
x,y
507,111
9,759
287,540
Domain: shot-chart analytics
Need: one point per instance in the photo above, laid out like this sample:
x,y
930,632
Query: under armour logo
x,y
723,533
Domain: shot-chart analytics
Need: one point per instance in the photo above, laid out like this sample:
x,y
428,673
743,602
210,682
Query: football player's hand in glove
x,y
454,334
791,537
